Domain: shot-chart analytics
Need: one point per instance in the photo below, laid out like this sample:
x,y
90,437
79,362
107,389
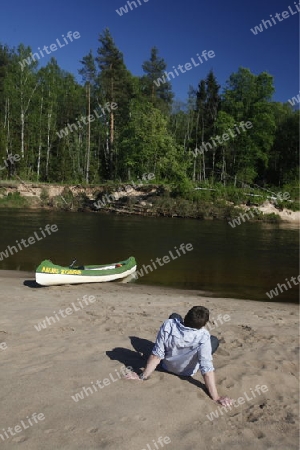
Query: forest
x,y
114,126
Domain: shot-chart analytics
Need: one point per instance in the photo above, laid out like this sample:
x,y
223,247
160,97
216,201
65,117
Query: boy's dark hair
x,y
196,317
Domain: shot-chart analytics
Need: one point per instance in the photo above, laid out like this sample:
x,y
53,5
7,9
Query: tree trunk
x,y
203,154
40,142
87,175
111,128
24,109
213,166
48,143
194,170
223,173
22,132
6,125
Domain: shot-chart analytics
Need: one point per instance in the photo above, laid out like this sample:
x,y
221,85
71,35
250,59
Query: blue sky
x,y
179,28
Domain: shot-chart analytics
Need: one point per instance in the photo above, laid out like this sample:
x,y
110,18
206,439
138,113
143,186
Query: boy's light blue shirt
x,y
183,350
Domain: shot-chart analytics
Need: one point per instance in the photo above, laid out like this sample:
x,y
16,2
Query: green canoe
x,y
49,274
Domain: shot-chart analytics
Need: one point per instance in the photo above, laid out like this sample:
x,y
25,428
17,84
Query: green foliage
x,y
183,189
44,195
148,131
198,206
13,200
289,196
291,205
271,218
285,152
293,189
67,201
160,96
146,146
247,99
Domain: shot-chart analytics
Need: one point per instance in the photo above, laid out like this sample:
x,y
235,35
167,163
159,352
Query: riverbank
x,y
58,371
145,200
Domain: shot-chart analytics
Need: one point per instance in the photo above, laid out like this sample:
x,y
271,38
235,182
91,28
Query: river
x,y
243,262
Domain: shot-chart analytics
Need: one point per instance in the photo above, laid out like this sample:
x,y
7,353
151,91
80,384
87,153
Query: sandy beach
x,y
63,388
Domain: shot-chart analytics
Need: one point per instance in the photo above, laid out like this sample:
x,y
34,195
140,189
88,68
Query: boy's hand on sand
x,y
132,376
225,401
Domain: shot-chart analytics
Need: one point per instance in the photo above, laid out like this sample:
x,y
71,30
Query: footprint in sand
x,y
234,420
139,418
231,425
91,313
108,422
237,343
223,352
31,370
245,327
258,434
247,434
92,430
124,419
290,418
216,440
70,428
19,439
51,430
254,413
64,329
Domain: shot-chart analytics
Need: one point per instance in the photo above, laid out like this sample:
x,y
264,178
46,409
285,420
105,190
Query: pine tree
x,y
116,86
88,73
160,96
200,131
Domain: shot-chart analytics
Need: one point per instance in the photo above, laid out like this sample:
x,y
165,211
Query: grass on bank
x,y
13,200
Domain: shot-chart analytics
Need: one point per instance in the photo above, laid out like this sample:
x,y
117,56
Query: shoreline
x,y
140,200
156,288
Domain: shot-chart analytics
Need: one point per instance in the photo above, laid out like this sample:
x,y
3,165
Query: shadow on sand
x,y
32,284
137,359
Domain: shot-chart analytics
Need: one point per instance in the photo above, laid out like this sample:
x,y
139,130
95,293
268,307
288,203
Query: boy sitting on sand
x,y
184,347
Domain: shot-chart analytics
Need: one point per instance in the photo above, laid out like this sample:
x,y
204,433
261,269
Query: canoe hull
x,y
49,274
